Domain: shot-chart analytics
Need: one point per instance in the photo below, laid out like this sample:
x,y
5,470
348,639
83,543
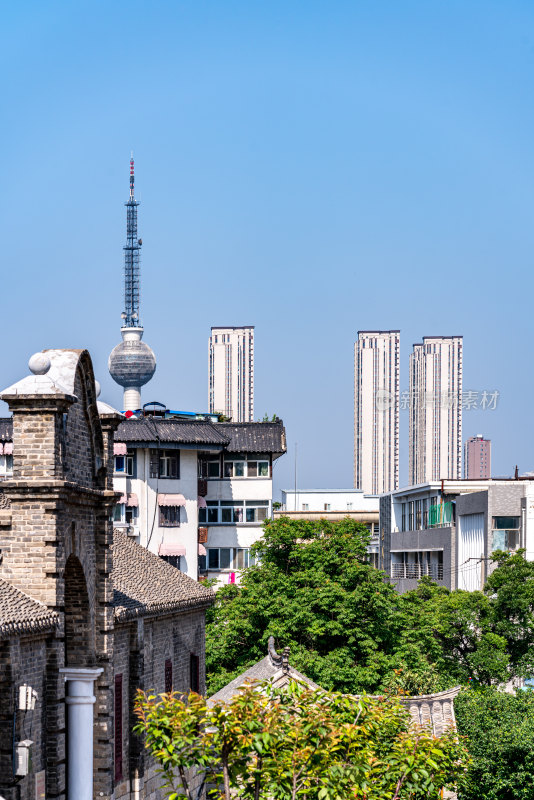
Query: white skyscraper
x,y
376,411
436,409
231,387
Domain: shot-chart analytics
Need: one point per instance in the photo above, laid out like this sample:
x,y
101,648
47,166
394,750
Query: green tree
x,y
499,731
290,743
315,592
350,631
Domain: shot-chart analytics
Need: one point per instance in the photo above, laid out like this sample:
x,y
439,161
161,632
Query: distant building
x,y
196,492
376,411
449,529
435,404
334,505
477,458
231,379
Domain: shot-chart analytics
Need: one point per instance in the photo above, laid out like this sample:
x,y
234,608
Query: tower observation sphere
x,y
132,363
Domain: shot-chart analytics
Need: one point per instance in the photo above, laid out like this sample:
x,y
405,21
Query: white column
x,y
80,700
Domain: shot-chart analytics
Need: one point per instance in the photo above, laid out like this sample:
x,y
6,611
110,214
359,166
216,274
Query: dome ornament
x,y
39,364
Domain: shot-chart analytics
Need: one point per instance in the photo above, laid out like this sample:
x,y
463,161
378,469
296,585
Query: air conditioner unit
x,y
130,530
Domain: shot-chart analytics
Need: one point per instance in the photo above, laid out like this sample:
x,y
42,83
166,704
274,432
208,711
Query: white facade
x,y
141,513
329,500
436,410
231,373
235,510
376,411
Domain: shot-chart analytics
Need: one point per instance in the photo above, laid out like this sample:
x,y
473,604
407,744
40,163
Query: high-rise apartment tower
x,y
231,380
376,411
435,404
477,458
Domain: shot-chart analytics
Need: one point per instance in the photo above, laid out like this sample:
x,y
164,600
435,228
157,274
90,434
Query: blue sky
x,y
312,168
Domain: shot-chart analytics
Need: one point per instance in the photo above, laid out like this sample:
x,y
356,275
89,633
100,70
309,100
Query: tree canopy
x,y
292,743
350,631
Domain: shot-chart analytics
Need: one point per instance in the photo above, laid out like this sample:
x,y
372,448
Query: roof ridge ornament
x,y
276,659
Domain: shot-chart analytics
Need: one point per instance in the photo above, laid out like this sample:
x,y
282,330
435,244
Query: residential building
x,y
231,379
196,492
449,529
376,411
334,505
477,458
435,403
86,615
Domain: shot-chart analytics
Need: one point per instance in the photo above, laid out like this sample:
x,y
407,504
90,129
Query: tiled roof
x,y
144,584
255,437
6,429
170,430
22,614
435,710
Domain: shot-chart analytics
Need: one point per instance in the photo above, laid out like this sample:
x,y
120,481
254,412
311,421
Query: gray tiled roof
x,y
435,710
255,437
170,430
6,429
22,614
144,584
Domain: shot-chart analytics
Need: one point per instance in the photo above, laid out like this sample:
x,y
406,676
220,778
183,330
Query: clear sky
x,y
312,168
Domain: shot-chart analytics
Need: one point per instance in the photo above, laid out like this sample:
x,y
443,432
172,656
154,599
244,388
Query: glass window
x,y
226,514
251,514
213,558
418,515
118,512
505,522
202,515
120,463
125,464
228,469
214,469
243,558
252,469
168,464
239,469
425,512
225,556
238,514
403,523
263,469
327,506
213,514
411,515
169,516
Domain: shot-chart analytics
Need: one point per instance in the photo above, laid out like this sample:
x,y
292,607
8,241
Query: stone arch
x,y
79,649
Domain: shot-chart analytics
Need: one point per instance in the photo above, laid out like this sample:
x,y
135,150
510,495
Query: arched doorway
x,y
78,644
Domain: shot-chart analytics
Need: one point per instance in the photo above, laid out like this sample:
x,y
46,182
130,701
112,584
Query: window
x,y
243,558
174,561
219,557
232,512
411,515
6,465
125,465
349,506
425,512
327,506
168,675
305,507
125,515
403,523
258,469
234,469
169,516
169,464
256,510
194,673
505,533
214,469
418,515
165,464
118,727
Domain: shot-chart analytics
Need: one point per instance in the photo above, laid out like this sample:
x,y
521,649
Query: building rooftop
x,y
158,429
144,584
255,437
20,613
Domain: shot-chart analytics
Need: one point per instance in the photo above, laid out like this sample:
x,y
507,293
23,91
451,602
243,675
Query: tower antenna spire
x,y
132,363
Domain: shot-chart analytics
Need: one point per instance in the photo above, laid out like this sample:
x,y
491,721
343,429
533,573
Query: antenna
x,y
132,251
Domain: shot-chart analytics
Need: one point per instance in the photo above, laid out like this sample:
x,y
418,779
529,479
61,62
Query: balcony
x,y
202,487
416,571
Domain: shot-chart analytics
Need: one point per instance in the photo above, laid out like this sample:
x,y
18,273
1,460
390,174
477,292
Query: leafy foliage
x,y
350,631
284,744
499,731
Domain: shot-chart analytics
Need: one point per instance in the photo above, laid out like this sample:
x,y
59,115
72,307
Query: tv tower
x,y
132,363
